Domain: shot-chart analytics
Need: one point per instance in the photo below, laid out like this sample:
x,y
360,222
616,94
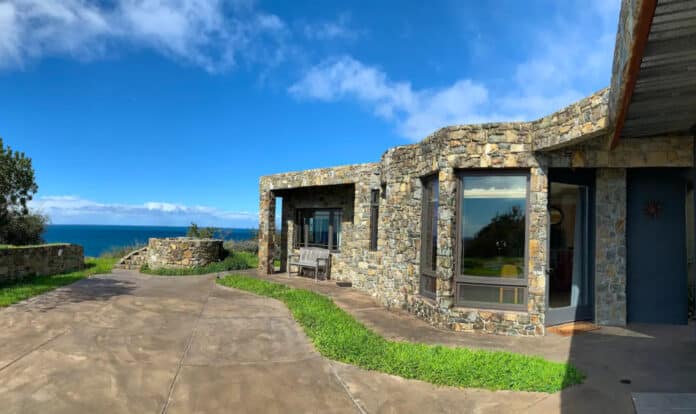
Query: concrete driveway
x,y
130,343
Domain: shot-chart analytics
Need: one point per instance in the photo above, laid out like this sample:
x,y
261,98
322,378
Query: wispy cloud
x,y
76,210
416,112
332,30
212,34
564,57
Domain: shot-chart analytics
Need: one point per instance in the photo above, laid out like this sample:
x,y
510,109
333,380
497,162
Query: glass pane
x,y
493,229
566,270
508,295
317,222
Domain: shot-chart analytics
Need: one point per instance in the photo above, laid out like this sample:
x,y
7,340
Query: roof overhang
x,y
653,87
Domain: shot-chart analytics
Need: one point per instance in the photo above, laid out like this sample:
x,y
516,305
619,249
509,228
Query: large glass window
x,y
431,195
318,228
493,227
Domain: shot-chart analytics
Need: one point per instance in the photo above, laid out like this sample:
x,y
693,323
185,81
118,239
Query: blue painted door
x,y
656,241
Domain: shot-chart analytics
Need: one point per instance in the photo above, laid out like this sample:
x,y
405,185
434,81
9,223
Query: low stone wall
x,y
50,259
182,252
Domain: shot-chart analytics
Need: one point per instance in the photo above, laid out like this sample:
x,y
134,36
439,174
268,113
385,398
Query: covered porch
x,y
313,209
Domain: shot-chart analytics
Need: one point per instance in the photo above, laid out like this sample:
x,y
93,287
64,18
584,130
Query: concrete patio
x,y
127,342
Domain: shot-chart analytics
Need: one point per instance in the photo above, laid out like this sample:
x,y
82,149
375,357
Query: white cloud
x,y
416,112
565,56
211,34
332,30
76,210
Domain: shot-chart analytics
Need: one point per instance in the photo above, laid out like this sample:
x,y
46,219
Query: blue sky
x,y
166,112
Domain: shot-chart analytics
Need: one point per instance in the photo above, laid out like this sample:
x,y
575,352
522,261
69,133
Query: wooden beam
x,y
645,16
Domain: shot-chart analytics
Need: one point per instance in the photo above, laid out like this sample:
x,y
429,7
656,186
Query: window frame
x,y
461,279
426,214
297,237
374,218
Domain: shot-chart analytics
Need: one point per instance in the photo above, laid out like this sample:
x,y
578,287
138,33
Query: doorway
x,y
656,287
569,283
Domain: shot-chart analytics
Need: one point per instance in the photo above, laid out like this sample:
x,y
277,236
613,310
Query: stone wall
x,y
576,137
50,259
661,151
575,123
610,241
355,252
502,146
182,252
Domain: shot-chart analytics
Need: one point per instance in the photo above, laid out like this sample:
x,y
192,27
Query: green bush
x,y
338,336
234,261
248,246
201,232
23,229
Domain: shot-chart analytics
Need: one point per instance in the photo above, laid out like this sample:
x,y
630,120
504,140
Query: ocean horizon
x,y
97,239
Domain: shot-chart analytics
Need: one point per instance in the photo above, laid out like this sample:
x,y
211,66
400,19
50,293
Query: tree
x,y
17,187
201,232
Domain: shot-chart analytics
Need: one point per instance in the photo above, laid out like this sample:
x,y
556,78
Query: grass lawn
x,y
235,261
11,246
17,291
338,336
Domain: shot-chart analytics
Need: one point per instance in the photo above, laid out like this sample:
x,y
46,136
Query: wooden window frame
x,y
461,279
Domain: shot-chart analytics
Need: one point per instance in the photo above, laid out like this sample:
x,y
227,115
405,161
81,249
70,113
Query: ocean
x,y
96,239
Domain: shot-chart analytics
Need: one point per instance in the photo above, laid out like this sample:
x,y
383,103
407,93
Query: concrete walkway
x,y
617,361
131,343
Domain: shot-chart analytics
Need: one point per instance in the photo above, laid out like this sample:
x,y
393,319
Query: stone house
x,y
585,214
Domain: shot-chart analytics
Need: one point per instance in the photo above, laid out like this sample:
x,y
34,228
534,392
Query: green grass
x,y
31,246
235,261
17,291
338,336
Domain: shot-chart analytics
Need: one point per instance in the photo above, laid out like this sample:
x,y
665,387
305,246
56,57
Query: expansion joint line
x,y
186,350
36,348
357,404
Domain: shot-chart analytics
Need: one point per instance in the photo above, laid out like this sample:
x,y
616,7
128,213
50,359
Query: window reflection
x,y
493,212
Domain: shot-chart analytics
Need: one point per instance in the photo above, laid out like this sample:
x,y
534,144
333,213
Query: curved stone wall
x,y
17,263
182,252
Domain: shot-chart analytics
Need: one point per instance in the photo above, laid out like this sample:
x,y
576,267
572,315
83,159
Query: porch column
x,y
610,250
446,237
266,230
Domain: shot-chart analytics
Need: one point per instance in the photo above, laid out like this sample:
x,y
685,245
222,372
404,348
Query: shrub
x,y
234,261
23,229
201,232
248,246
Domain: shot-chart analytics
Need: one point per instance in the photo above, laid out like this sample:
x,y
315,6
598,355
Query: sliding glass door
x,y
569,290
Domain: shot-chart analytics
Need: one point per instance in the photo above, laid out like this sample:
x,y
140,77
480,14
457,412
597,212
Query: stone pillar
x,y
610,253
266,230
538,247
446,237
